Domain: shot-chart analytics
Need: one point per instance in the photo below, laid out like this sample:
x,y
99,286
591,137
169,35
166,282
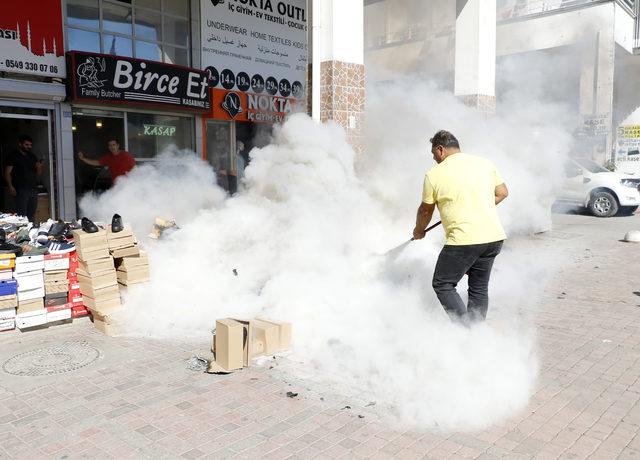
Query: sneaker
x,y
32,250
58,229
116,223
3,235
22,236
60,247
8,248
89,226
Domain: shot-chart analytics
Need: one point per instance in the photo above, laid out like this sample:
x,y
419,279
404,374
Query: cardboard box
x,y
102,292
266,333
30,280
104,314
84,240
100,304
7,324
58,315
31,319
95,266
103,327
132,251
127,263
64,306
78,311
55,275
229,344
93,254
26,306
89,283
284,336
8,301
30,294
7,313
53,287
137,275
50,302
29,263
6,274
56,262
7,261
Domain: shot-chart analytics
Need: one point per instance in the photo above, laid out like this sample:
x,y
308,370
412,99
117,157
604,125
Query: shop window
x,y
83,13
145,29
148,25
150,51
116,45
83,40
116,18
149,134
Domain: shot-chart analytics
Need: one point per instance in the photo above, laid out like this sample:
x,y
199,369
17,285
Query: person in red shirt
x,y
119,162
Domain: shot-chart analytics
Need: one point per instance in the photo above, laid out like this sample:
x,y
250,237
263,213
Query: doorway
x,y
36,123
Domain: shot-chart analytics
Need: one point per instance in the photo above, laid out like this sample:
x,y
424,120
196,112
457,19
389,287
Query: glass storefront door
x,y
36,123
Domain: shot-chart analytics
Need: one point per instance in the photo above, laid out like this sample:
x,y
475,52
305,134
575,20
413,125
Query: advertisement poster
x,y
31,39
114,79
257,47
628,149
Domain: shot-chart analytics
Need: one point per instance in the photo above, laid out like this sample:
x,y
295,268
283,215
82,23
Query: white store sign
x,y
255,46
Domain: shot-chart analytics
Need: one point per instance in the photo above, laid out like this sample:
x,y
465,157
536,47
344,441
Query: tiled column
x,y
475,71
338,57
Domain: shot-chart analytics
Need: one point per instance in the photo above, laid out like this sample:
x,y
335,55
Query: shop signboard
x,y
31,39
255,47
595,125
628,149
102,78
256,108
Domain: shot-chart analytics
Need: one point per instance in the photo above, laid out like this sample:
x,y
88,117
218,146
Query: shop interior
x,y
35,123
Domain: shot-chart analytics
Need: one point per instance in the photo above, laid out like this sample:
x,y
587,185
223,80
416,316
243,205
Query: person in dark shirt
x,y
119,162
22,171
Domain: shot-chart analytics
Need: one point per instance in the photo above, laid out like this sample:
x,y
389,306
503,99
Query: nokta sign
x,y
116,80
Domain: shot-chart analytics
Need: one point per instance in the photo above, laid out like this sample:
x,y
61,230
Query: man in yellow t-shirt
x,y
466,190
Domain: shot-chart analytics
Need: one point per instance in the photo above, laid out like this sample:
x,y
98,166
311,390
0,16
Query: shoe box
x,y
58,315
56,262
8,287
30,280
29,263
7,319
7,261
31,319
78,311
6,274
27,306
8,301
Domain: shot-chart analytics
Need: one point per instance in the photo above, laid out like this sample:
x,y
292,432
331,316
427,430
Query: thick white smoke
x,y
307,236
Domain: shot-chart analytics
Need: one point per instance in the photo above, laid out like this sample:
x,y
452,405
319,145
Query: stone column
x,y
338,65
475,59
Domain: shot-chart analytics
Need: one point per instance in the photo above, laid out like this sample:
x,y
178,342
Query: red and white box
x,y
78,311
63,306
76,299
56,262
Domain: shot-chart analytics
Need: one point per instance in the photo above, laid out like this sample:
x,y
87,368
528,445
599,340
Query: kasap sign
x,y
31,38
255,47
116,80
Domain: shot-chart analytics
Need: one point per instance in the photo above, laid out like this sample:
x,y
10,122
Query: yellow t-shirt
x,y
463,188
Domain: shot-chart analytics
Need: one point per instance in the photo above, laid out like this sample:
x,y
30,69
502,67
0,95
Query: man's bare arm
x,y
501,192
423,217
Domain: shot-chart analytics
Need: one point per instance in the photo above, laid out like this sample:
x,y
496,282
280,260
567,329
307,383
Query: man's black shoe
x,y
116,223
3,235
8,248
89,226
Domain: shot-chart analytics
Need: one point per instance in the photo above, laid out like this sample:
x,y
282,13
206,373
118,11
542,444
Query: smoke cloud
x,y
307,235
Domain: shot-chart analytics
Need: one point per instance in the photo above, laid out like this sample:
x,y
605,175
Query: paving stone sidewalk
x,y
137,399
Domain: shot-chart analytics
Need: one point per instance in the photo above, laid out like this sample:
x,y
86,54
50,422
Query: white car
x,y
604,192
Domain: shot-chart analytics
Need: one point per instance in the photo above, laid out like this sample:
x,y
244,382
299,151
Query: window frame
x,y
133,37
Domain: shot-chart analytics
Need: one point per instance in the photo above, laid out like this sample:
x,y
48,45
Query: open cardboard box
x,y
236,342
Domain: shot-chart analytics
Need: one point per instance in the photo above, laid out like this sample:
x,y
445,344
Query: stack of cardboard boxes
x,y
75,295
8,292
96,272
133,269
29,274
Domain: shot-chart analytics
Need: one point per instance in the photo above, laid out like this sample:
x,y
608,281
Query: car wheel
x,y
603,204
627,210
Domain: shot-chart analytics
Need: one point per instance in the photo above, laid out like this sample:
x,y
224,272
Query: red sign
x,y
257,108
31,39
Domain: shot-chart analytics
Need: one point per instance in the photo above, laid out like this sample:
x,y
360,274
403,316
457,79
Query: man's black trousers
x,y
454,261
27,203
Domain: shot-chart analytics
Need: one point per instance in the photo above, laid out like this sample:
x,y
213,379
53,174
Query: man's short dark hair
x,y
114,140
23,138
445,139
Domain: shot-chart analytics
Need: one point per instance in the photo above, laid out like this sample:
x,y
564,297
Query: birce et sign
x,y
115,79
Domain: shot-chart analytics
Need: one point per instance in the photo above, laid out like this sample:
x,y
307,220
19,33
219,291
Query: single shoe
x,y
58,229
3,235
116,223
60,247
22,236
32,250
8,248
89,226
